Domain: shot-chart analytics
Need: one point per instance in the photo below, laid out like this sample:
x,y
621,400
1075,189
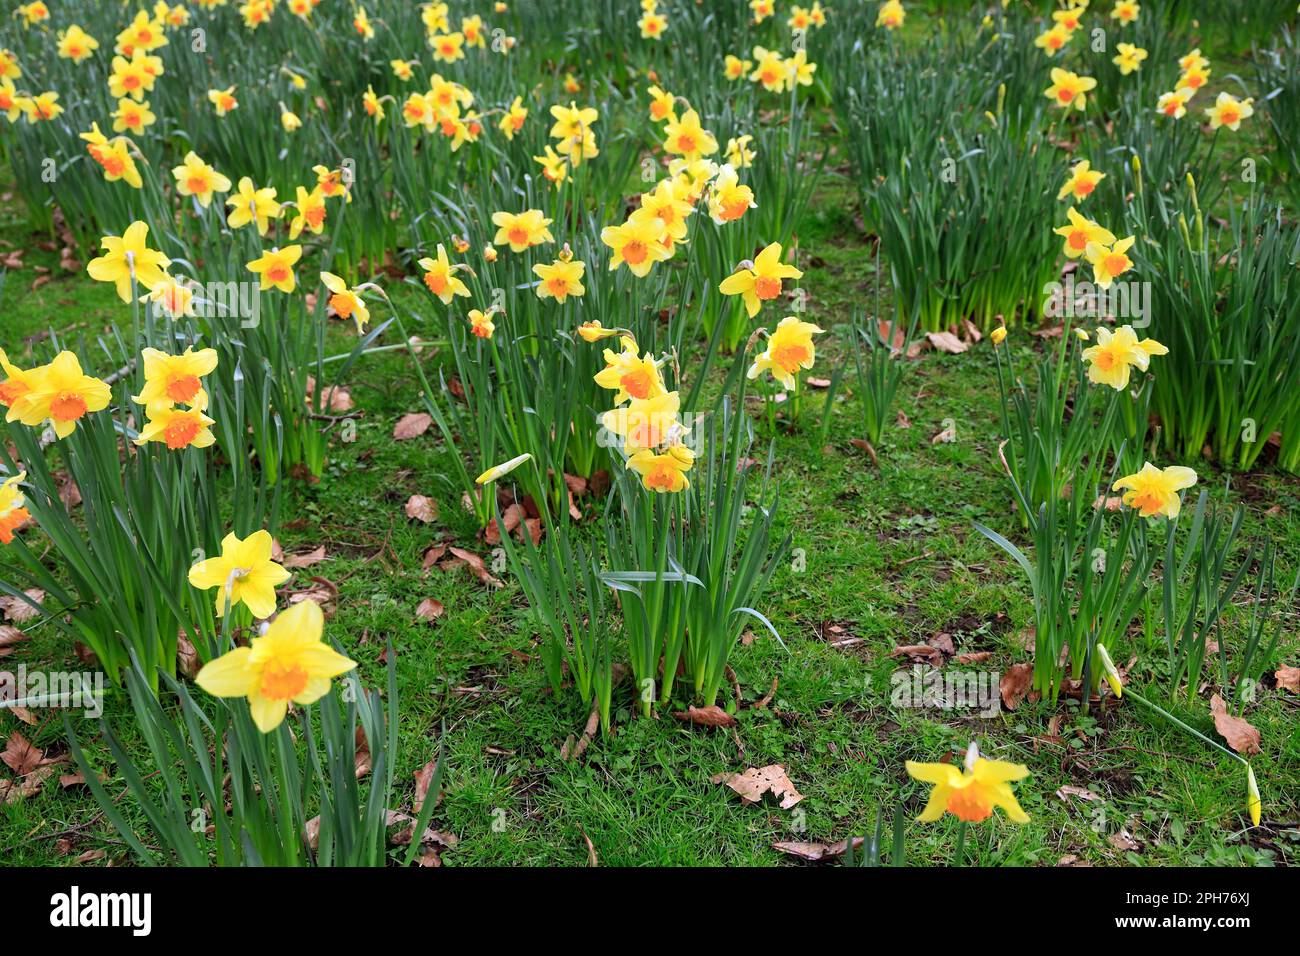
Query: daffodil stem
x,y
959,857
1191,730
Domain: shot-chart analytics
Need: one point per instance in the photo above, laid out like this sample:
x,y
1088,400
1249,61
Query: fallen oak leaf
x,y
421,508
1287,677
412,425
430,609
757,781
1238,732
816,852
711,716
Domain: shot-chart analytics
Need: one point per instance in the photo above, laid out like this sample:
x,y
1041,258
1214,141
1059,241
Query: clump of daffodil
x,y
1116,353
60,393
12,513
561,278
128,259
759,281
288,663
1155,491
244,572
972,792
789,349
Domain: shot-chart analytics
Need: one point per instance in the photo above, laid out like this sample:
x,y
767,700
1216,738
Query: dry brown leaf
x,y
18,610
946,342
9,637
711,716
430,609
423,780
816,852
411,425
1239,734
757,781
361,758
1070,790
865,446
948,434
21,755
305,559
422,509
1287,678
1015,684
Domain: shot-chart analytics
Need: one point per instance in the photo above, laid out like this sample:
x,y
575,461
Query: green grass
x,y
891,558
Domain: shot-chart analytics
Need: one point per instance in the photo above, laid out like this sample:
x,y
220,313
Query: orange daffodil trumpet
x,y
1155,491
789,349
972,792
288,663
759,281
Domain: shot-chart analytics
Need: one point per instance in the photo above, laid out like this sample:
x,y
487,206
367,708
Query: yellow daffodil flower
x,y
789,349
440,277
759,281
311,212
1229,111
223,100
174,379
646,423
76,44
274,268
521,230
250,204
1129,58
196,178
177,428
12,513
344,302
61,394
971,793
638,242
1083,179
1069,90
127,258
629,375
1153,491
1116,353
890,15
560,279
663,473
1080,232
1126,12
1109,261
245,570
289,662
1174,105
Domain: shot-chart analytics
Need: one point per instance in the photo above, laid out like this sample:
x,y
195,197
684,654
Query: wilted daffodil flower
x,y
789,349
1154,491
759,281
128,258
288,663
244,570
1116,353
970,794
